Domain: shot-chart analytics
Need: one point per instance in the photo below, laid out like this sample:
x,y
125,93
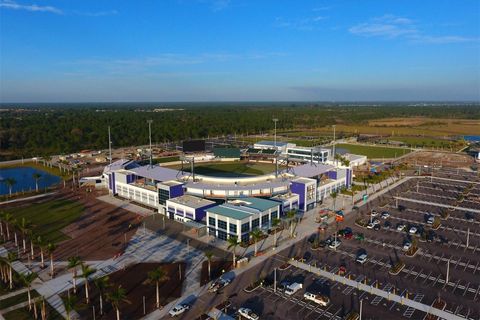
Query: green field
x,y
230,169
49,218
429,142
373,152
166,159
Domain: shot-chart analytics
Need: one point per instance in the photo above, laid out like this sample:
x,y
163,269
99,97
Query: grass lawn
x,y
231,169
373,152
24,314
19,298
49,218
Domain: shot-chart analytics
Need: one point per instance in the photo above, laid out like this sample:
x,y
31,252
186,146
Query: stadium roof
x,y
272,143
158,173
215,186
191,201
257,203
309,170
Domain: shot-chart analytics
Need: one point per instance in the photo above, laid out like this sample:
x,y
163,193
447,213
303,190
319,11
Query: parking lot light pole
x,y
361,305
468,238
448,272
275,280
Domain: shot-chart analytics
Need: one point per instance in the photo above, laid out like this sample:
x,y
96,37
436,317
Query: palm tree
x,y
209,256
275,223
50,249
87,271
2,215
73,263
24,227
101,284
14,224
256,235
334,195
117,296
37,177
69,302
11,257
10,182
27,279
41,244
8,218
232,244
156,276
291,216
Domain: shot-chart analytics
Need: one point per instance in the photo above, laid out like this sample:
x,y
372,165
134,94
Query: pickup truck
x,y
317,298
293,288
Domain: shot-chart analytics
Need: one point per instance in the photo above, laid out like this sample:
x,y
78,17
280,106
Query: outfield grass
x,y
231,169
166,159
429,142
373,152
49,218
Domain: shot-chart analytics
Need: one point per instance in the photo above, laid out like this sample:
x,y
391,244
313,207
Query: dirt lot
x,y
430,158
134,280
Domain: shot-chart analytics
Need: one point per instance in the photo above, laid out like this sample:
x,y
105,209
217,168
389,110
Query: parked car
x,y
430,219
370,225
400,227
374,213
387,225
248,313
376,227
385,214
376,221
361,258
407,245
442,239
293,288
317,298
401,207
179,309
334,244
413,230
360,236
219,284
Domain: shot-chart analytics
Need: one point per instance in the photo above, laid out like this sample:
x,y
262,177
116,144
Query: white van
x,y
317,298
294,287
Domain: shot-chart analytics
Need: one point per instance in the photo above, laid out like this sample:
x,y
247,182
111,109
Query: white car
x,y
334,244
407,245
179,309
362,258
430,220
293,288
375,221
317,298
385,215
400,227
413,230
248,313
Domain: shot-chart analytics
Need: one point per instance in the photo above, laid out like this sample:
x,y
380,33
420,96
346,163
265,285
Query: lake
x,y
25,180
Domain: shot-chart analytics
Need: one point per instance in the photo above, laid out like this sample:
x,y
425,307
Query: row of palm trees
x,y
11,182
256,235
116,295
9,225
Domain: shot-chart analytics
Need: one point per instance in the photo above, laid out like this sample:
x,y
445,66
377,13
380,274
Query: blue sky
x,y
234,50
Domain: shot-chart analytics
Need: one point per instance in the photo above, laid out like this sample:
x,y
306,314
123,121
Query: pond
x,y
25,180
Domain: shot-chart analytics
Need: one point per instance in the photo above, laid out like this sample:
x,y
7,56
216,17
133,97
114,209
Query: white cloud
x,y
390,26
30,7
97,14
305,24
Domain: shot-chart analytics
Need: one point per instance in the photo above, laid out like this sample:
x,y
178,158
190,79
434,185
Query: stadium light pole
x,y
333,153
150,138
109,145
275,120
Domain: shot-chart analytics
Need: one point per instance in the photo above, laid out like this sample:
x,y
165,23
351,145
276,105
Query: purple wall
x,y
176,191
200,213
114,189
349,178
130,178
332,175
299,188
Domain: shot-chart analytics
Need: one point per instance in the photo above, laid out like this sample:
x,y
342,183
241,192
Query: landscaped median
x,y
396,268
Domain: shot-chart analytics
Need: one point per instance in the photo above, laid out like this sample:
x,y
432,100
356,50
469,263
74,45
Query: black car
x,y
387,225
442,239
401,208
312,238
376,227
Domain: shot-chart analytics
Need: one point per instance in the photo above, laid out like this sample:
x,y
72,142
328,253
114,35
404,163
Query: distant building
x,y
279,145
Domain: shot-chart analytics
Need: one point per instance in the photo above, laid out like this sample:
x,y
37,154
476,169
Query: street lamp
x,y
275,120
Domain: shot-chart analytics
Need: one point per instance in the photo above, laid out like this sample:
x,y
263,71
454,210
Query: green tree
x,y
232,244
156,276
275,223
256,235
10,182
51,249
73,264
116,297
209,256
36,176
27,280
87,271
102,283
291,217
334,195
69,303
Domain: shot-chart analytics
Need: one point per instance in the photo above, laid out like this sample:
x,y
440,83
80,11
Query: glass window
x,y
255,223
274,215
245,237
211,221
265,220
233,228
222,224
212,231
222,235
245,227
